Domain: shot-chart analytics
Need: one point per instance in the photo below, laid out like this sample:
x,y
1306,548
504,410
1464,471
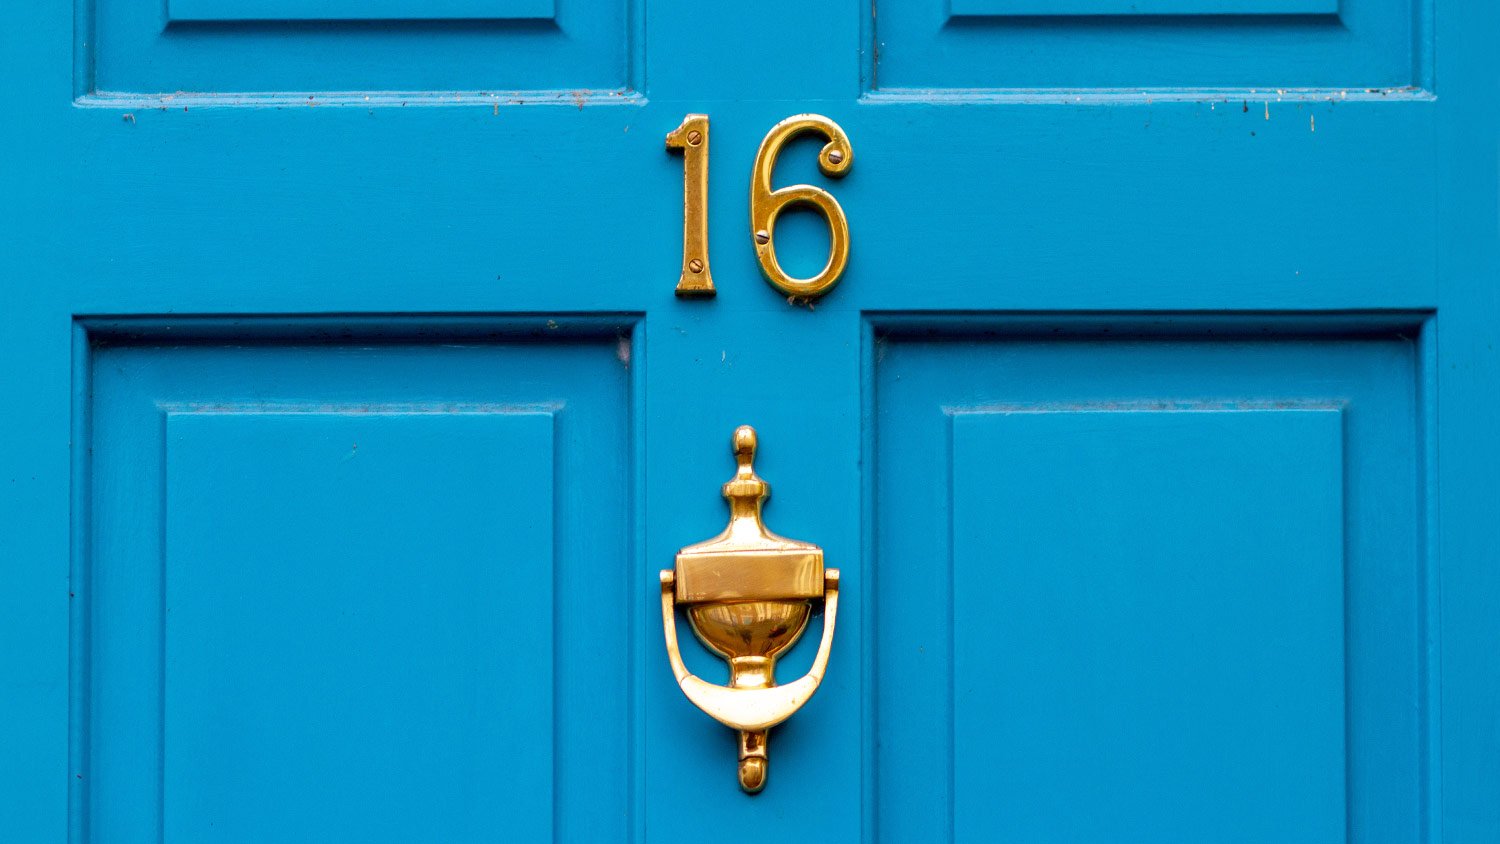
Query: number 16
x,y
766,204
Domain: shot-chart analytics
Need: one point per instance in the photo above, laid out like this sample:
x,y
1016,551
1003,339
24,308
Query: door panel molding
x,y
438,454
943,508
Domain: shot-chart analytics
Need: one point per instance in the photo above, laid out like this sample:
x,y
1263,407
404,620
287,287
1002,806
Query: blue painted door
x,y
349,413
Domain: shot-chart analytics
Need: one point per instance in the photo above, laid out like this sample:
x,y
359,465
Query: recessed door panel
x,y
1256,49
1148,617
346,10
347,580
1137,584
358,591
489,51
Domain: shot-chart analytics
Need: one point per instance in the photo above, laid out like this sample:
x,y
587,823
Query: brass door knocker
x,y
748,595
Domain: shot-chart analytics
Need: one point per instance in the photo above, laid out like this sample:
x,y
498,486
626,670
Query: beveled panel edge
x,y
334,329
1139,96
1136,8
236,11
87,95
489,100
1421,89
908,324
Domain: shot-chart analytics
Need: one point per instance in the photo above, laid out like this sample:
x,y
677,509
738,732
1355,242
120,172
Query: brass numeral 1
x,y
765,204
692,138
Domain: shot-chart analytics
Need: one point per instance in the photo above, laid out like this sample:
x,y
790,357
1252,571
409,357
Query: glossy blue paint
x,y
491,49
345,585
388,629
1194,304
1148,624
1033,8
1257,49
368,10
1167,583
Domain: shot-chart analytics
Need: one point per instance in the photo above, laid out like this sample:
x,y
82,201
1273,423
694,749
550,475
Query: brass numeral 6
x,y
766,204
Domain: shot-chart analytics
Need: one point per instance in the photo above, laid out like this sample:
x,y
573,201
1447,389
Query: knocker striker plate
x,y
748,594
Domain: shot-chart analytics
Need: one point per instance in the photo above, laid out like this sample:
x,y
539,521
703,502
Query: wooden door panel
x,y
370,10
1270,46
304,51
1146,582
345,637
338,590
1148,623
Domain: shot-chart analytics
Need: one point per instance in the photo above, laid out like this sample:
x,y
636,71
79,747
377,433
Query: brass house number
x,y
766,203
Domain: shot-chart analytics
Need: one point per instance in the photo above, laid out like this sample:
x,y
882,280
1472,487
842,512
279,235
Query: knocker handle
x,y
749,710
752,711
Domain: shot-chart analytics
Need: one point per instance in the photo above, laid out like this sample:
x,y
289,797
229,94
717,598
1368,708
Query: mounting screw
x,y
762,236
834,156
695,137
695,265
